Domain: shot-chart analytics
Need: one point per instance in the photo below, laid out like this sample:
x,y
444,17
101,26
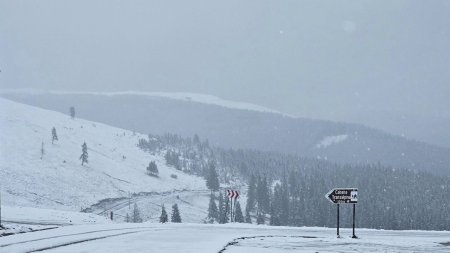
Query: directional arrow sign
x,y
232,194
343,196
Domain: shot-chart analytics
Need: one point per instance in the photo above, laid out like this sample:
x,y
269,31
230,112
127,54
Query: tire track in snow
x,y
68,235
84,240
239,239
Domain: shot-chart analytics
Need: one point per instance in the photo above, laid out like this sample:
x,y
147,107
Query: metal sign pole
x,y
354,211
1,209
338,236
231,210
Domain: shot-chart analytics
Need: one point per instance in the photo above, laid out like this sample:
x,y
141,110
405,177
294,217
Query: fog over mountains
x,y
224,126
243,126
381,63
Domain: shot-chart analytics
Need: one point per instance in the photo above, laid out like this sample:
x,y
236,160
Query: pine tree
x,y
293,184
265,196
274,217
136,217
173,159
262,196
260,219
223,209
42,150
238,213
84,155
295,213
163,218
196,140
127,218
72,112
152,169
284,209
54,135
212,180
276,206
251,194
176,218
248,219
227,208
213,213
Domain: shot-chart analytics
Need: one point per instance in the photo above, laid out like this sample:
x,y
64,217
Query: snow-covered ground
x,y
27,219
234,238
40,216
116,168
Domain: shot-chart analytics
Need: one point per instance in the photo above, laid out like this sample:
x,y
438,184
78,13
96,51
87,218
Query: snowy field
x,y
233,238
57,180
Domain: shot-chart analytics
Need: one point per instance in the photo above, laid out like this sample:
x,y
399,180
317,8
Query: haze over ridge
x,y
382,64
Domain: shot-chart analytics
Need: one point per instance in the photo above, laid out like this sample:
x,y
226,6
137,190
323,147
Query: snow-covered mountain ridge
x,y
116,166
182,96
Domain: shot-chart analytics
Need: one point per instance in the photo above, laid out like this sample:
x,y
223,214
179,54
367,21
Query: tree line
x,y
289,189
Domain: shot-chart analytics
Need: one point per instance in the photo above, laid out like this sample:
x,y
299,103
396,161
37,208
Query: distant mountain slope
x,y
116,166
247,128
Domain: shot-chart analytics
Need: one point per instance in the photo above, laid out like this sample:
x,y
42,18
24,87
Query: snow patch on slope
x,y
183,96
330,140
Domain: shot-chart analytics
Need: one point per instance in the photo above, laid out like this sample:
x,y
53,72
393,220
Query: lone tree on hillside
x,y
84,155
176,218
72,112
54,135
163,218
152,169
212,180
42,150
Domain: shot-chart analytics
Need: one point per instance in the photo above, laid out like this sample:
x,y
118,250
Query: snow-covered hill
x,y
242,126
116,166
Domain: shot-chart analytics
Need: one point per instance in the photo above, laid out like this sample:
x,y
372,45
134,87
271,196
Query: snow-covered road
x,y
167,238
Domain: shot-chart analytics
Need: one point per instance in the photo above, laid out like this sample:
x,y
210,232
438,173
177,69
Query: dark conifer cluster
x,y
152,169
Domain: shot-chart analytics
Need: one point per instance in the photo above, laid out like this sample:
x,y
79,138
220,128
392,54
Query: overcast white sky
x,y
374,62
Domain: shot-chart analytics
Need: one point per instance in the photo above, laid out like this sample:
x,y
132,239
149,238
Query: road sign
x,y
232,194
343,196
